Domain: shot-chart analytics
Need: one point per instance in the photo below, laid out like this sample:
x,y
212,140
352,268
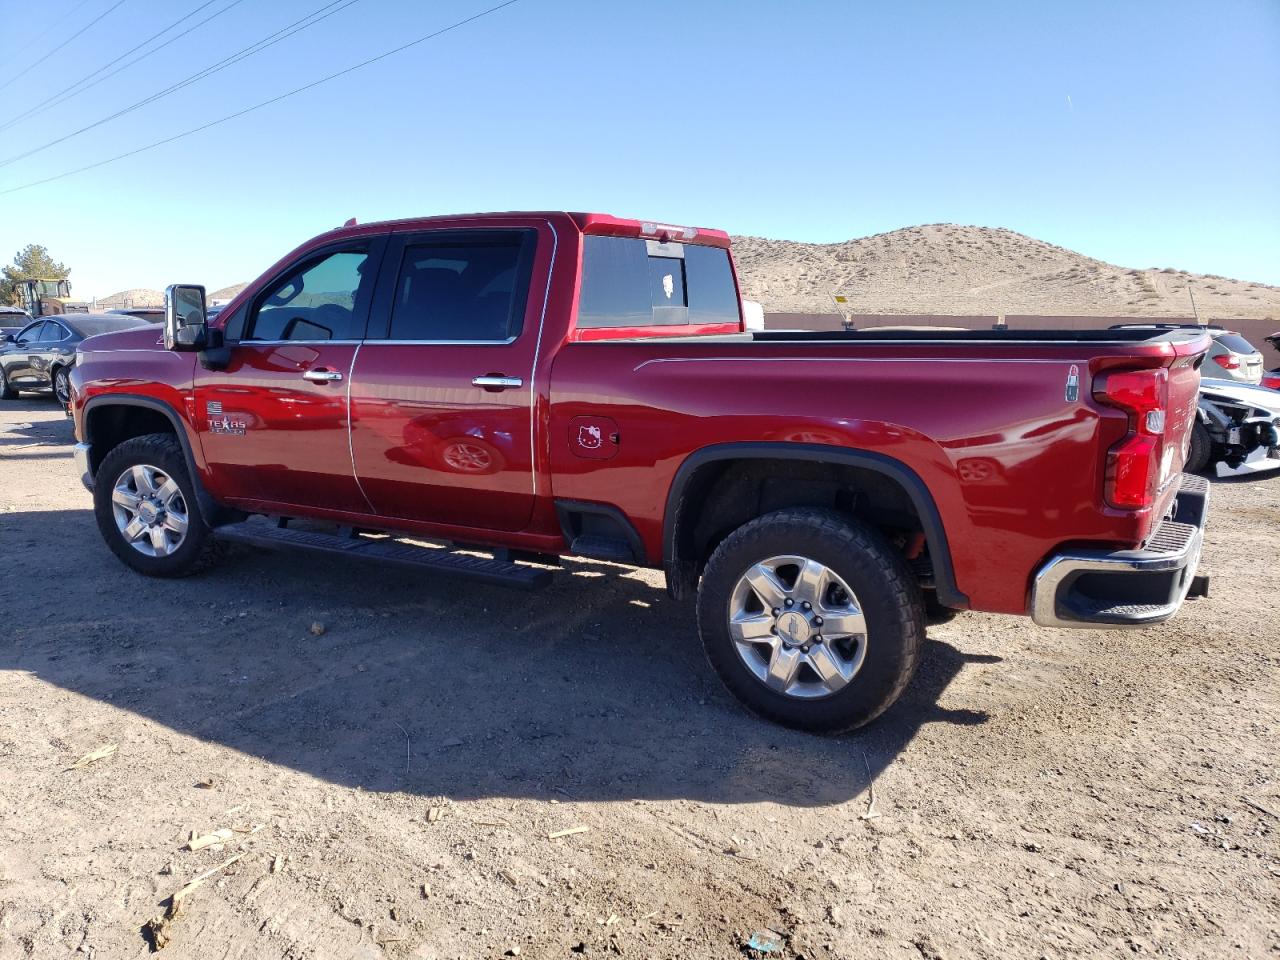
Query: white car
x,y
1236,422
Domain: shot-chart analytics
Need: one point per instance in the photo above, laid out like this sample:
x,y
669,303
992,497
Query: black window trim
x,y
393,266
374,244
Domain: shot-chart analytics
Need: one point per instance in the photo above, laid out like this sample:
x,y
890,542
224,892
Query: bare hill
x,y
944,268
134,297
226,293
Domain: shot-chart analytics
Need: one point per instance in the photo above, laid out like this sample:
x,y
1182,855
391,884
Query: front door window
x,y
323,299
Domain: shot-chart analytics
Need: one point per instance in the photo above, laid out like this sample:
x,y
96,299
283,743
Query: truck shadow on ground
x,y
595,688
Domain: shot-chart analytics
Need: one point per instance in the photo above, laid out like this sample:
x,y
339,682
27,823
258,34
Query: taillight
x,y
1271,380
1134,465
1227,361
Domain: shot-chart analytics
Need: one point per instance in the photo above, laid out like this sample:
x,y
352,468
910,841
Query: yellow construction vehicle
x,y
42,298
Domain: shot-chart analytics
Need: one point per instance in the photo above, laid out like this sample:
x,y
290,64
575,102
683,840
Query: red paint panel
x,y
291,443
1014,468
431,447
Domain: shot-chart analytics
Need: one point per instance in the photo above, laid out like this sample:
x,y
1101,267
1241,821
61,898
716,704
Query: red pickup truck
x,y
533,385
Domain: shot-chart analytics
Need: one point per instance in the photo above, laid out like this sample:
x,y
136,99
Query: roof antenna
x,y
1194,308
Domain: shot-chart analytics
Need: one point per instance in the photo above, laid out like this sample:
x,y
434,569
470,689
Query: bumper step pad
x,y
1127,588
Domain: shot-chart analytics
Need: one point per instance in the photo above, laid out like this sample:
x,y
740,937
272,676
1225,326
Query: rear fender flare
x,y
935,533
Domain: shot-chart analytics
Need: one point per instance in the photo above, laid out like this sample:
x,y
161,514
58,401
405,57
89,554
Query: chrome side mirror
x,y
186,324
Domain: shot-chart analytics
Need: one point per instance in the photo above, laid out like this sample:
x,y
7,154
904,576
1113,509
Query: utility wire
x,y
39,60
265,103
284,33
83,84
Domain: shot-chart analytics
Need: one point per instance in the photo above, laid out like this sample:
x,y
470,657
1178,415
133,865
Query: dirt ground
x,y
1040,793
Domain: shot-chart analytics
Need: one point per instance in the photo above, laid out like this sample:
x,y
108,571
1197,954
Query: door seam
x,y
351,447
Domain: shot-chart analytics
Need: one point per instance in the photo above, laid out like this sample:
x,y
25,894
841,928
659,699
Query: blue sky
x,y
1147,134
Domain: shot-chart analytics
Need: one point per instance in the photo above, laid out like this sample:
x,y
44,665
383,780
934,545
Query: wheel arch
x,y
700,471
110,419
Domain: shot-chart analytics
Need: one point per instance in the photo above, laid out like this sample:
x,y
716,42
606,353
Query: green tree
x,y
32,262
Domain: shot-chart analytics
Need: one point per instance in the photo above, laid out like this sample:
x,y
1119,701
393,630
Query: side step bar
x,y
497,572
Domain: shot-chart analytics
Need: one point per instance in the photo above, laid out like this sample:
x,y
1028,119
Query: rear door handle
x,y
321,375
495,382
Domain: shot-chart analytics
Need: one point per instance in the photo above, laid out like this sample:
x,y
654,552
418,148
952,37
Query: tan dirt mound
x,y
945,268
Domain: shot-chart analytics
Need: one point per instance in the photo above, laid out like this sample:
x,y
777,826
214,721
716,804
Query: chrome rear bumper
x,y
1127,588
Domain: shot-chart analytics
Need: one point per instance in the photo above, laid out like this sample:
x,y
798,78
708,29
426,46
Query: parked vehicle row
x,y
1272,377
1235,421
40,355
1231,356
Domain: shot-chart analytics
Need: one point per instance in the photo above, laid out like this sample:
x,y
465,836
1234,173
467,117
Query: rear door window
x,y
463,289
631,282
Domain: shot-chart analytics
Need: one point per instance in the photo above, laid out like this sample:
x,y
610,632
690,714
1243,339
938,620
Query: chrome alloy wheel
x,y
797,626
62,386
150,511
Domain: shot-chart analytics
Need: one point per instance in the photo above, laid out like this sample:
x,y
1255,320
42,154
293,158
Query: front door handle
x,y
497,382
322,375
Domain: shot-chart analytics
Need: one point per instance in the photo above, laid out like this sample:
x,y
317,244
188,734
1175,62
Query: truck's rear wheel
x,y
811,619
147,510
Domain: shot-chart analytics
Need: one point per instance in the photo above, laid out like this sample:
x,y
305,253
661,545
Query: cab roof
x,y
590,223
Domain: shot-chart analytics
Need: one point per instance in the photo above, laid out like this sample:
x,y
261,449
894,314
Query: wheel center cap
x,y
793,628
147,512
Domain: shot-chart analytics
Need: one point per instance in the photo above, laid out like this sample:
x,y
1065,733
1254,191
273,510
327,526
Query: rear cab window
x,y
630,282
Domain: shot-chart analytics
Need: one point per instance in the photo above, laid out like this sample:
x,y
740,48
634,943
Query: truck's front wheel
x,y
146,507
811,619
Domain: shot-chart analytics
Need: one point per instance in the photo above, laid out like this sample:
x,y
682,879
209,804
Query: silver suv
x,y
1231,356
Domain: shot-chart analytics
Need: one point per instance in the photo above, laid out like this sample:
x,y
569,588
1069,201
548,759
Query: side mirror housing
x,y
6,338
186,324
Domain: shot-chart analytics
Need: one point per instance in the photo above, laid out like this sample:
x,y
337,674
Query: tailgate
x,y
1180,417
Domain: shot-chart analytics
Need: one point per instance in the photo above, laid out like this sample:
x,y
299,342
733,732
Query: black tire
x,y
198,550
1201,452
61,386
7,392
890,600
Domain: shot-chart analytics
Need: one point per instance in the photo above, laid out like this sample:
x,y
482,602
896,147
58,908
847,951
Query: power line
x,y
35,63
58,97
266,103
284,33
